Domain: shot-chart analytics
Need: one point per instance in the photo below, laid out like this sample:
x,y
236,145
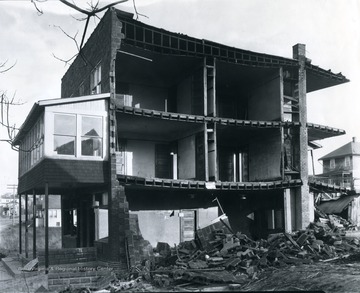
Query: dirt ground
x,y
335,276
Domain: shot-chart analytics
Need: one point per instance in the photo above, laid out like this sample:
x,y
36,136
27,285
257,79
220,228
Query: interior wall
x,y
148,97
164,225
143,157
265,157
186,157
265,100
184,96
205,216
158,226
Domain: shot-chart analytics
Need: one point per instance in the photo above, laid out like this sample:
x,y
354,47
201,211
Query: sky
x,y
330,29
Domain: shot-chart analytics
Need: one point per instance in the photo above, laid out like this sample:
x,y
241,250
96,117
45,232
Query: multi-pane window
x,y
95,80
78,135
32,147
91,136
64,134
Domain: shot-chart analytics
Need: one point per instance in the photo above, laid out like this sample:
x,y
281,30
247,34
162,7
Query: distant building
x,y
342,166
54,211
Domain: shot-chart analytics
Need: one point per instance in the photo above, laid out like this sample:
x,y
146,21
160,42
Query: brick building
x,y
154,120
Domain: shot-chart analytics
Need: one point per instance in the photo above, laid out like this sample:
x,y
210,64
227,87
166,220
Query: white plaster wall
x,y
143,157
158,226
207,215
186,157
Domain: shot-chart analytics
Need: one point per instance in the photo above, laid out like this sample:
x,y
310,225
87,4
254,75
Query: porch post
x,y
46,228
20,238
34,224
26,226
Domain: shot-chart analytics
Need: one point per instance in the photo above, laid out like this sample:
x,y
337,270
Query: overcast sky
x,y
329,28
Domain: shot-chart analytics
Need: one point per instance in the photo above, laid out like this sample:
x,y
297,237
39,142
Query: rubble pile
x,y
218,256
227,257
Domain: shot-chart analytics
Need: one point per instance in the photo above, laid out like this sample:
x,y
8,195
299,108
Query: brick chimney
x,y
354,139
299,51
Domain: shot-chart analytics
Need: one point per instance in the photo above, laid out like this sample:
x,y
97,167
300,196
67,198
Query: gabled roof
x,y
352,148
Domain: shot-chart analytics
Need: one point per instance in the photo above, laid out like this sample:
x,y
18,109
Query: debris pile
x,y
218,256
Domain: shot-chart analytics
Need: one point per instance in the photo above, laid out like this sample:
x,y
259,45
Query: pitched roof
x,y
351,148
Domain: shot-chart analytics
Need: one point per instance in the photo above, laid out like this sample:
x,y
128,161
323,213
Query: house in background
x,y
342,166
155,121
54,210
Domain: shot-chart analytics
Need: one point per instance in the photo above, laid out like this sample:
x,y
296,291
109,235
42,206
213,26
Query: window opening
x,y
95,80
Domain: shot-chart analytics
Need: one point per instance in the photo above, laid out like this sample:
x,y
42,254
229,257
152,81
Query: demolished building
x,y
154,120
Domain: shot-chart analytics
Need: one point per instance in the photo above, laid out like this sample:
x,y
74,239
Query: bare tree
x,y
7,103
92,11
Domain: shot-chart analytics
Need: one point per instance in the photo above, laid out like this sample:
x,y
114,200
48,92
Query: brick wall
x,y
68,256
206,235
75,277
96,49
100,48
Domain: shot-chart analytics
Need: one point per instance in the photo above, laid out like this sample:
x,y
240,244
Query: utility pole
x,y
14,188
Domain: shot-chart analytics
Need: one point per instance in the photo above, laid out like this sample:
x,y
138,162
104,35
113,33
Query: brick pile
x,y
218,255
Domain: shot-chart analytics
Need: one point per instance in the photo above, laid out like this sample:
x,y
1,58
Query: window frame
x,y
78,137
100,137
65,134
